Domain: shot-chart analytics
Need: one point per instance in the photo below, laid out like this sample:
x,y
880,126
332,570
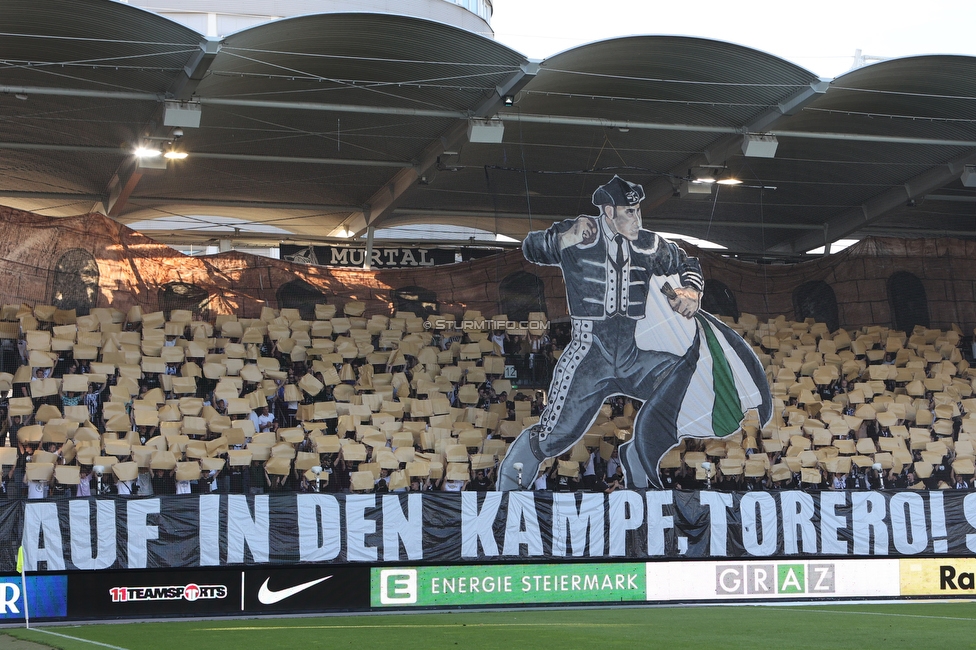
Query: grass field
x,y
860,626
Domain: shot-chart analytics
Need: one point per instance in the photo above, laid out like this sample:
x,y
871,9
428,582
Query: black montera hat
x,y
618,192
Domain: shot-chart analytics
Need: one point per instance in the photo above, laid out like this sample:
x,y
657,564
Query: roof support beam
x,y
122,185
34,146
82,92
719,151
511,86
197,237
128,175
403,215
512,117
335,108
118,151
917,232
124,182
954,198
384,201
195,70
850,221
58,196
731,130
790,106
353,162
259,205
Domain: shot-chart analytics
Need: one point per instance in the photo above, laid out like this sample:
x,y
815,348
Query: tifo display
x,y
161,407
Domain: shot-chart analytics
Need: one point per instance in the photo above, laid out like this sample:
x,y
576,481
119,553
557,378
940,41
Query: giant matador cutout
x,y
638,331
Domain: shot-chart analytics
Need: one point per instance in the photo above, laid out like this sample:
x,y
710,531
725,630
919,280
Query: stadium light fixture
x,y
728,179
702,177
481,131
146,151
708,174
755,145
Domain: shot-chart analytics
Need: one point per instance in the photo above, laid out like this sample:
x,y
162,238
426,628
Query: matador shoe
x,y
524,450
635,478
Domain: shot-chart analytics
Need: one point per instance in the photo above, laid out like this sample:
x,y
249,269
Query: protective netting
x,y
75,284
131,269
909,305
184,296
816,300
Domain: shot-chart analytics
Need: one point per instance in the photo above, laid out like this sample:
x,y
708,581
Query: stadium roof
x,y
323,125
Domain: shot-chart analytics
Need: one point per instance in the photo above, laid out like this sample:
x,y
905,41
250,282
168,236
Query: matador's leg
x,y
656,424
580,384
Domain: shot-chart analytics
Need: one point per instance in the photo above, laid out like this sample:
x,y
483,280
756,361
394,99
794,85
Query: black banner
x,y
216,591
306,589
124,594
233,530
381,258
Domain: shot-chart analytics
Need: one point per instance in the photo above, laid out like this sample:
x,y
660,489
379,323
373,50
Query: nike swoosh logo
x,y
268,597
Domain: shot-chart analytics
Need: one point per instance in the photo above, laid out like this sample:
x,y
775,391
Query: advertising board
x,y
306,589
47,597
214,592
946,577
329,588
771,580
451,586
121,594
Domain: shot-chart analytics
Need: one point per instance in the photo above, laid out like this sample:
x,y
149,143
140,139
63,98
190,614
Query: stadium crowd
x,y
151,403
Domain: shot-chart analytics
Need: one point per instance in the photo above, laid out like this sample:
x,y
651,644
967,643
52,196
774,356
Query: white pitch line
x,y
76,638
831,611
394,627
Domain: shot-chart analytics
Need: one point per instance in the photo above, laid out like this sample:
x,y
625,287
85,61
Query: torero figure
x,y
638,330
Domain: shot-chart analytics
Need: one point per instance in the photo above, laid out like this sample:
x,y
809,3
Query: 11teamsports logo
x,y
188,592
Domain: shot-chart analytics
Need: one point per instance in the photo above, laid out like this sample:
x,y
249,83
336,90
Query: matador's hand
x,y
582,232
686,302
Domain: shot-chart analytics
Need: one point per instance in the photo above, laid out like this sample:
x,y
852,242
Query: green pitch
x,y
913,625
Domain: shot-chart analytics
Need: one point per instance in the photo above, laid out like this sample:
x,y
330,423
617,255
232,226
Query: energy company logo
x,y
398,586
190,592
775,579
509,584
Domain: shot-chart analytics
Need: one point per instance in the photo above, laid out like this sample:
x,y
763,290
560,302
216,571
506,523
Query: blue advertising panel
x,y
47,597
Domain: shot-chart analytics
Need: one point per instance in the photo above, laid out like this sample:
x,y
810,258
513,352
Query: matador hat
x,y
618,192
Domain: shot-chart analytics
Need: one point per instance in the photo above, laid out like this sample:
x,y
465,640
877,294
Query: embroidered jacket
x,y
592,276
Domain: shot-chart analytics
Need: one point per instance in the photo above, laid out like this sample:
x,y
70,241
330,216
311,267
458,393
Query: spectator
x,y
481,482
839,482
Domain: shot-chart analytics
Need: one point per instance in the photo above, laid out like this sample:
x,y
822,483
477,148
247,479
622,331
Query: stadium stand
x,y
154,403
